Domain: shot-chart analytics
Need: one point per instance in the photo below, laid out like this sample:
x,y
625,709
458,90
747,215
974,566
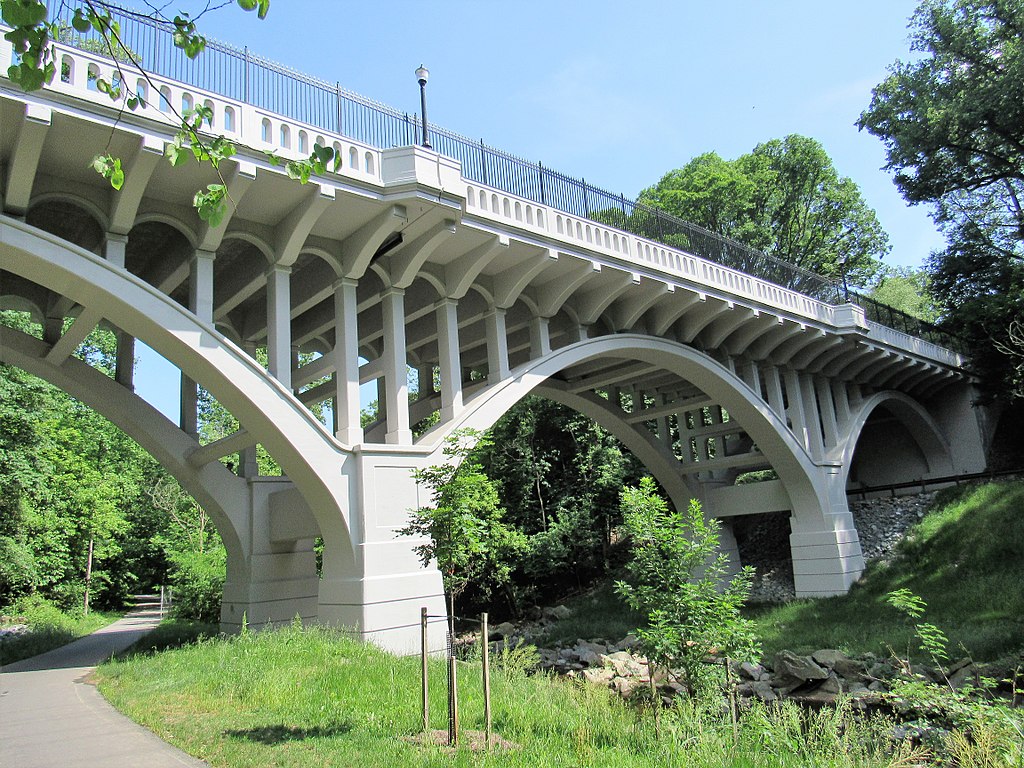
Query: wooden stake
x,y
424,652
453,698
487,679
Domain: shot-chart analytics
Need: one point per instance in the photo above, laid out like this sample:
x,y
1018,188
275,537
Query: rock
x,y
557,612
503,630
599,675
624,664
793,670
751,671
967,675
827,657
590,653
629,642
626,686
760,689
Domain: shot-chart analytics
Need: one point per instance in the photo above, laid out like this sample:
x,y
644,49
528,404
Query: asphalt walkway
x,y
51,717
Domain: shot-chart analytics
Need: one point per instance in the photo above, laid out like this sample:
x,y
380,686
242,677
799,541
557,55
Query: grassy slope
x,y
965,558
301,698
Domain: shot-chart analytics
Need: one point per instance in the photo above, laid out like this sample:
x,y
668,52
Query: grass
x,y
963,558
48,628
599,614
299,697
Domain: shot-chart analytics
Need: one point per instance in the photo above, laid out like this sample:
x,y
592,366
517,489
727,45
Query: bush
x,y
197,580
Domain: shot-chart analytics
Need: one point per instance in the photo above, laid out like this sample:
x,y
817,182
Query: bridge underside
x,y
397,267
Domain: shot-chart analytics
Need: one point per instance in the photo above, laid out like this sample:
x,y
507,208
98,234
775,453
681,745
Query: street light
x,y
842,269
421,77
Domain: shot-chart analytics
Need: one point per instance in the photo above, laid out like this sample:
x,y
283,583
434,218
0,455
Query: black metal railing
x,y
244,76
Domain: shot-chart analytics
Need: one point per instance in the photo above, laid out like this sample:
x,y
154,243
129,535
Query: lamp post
x,y
421,77
842,269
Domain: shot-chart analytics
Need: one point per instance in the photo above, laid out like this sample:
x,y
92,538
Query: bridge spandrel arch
x,y
892,437
825,547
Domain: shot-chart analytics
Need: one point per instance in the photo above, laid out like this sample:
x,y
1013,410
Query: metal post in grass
x,y
453,700
485,656
424,651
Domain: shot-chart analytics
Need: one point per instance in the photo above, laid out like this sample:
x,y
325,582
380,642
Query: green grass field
x,y
49,628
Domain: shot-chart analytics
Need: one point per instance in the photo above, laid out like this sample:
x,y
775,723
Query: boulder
x,y
599,675
624,663
557,612
751,671
792,671
760,689
503,630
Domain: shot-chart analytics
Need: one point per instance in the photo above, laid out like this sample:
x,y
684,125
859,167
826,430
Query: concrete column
x,y
114,248
497,345
449,358
827,557
124,373
773,385
827,409
200,302
841,398
812,415
424,381
396,385
346,363
795,411
540,337
727,546
279,324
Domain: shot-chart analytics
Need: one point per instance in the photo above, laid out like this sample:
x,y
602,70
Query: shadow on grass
x,y
280,734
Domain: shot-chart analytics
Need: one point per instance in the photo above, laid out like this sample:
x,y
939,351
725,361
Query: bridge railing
x,y
241,75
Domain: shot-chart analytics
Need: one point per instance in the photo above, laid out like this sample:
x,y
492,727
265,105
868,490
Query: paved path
x,y
51,718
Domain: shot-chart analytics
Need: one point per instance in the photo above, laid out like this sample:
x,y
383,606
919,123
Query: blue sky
x,y
618,95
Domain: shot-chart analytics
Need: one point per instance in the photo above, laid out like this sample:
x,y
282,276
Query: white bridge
x,y
397,259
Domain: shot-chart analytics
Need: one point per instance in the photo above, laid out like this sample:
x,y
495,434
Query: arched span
x,y
912,415
220,492
657,458
268,411
802,479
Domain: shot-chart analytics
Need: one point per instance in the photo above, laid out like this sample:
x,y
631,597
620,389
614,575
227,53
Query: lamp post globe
x,y
422,73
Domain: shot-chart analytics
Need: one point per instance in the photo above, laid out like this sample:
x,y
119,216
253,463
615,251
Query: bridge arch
x,y
796,469
918,449
269,412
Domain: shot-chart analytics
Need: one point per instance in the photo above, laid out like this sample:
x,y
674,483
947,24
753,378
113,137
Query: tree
x,y
33,34
908,290
952,121
786,199
463,528
677,578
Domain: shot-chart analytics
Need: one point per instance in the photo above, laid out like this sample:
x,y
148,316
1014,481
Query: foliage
x,y
962,559
33,36
952,121
464,530
784,198
559,477
908,290
678,579
48,627
295,697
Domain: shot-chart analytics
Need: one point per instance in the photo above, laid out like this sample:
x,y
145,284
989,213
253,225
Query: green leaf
x,y
23,13
80,22
176,154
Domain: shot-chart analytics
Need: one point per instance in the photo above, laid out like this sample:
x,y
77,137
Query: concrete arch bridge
x,y
400,261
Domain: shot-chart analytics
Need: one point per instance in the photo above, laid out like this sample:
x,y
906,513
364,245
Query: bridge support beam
x,y
827,557
278,580
376,590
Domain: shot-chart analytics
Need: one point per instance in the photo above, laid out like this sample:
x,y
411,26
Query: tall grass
x,y
312,697
964,559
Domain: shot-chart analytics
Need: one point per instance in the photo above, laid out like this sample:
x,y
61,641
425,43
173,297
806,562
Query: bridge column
x,y
278,580
827,557
812,414
279,324
540,336
346,363
827,409
114,247
378,588
200,302
396,382
497,346
450,361
773,385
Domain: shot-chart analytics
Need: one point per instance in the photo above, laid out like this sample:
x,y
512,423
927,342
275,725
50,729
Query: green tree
x,y
463,528
908,290
678,579
784,198
952,121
